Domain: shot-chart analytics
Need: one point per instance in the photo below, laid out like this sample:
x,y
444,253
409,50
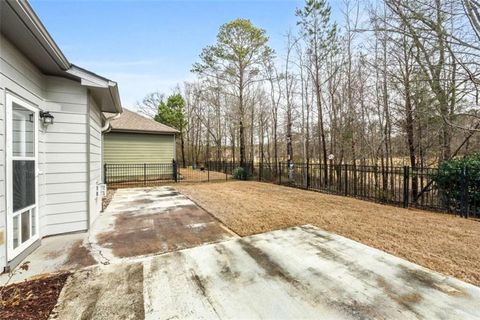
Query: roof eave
x,y
30,18
109,89
92,80
144,131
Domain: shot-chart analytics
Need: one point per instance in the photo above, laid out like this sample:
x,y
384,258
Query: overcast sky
x,y
151,45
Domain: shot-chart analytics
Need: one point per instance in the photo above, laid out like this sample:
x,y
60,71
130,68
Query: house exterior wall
x,y
64,151
95,158
3,233
19,77
66,167
122,147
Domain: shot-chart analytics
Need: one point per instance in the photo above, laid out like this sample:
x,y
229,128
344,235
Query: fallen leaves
x,y
33,299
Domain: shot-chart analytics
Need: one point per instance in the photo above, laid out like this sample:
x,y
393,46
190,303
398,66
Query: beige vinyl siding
x,y
138,148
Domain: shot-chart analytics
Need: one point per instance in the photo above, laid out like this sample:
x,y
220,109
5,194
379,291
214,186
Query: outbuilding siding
x,y
138,148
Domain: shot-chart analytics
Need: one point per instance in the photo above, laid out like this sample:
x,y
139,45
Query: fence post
x,y
308,174
406,184
339,178
174,169
260,169
346,179
144,174
355,187
105,173
279,173
464,198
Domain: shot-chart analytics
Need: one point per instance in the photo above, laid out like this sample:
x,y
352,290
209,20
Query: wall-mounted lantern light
x,y
46,117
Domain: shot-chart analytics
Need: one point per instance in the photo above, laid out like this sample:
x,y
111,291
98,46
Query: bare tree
x,y
149,104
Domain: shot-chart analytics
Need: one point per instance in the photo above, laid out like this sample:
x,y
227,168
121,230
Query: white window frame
x,y
11,252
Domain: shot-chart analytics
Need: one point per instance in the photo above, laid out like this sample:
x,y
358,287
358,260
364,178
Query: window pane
x,y
15,232
23,135
23,184
25,225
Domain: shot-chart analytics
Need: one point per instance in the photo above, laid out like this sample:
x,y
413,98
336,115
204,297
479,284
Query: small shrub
x,y
384,195
459,179
239,173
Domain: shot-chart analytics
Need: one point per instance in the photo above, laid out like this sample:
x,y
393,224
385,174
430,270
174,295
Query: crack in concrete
x,y
97,252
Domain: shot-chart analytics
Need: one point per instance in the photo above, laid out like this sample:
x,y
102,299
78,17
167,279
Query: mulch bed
x,y
33,299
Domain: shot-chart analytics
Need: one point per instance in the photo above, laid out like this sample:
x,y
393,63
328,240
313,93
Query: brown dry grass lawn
x,y
190,175
445,243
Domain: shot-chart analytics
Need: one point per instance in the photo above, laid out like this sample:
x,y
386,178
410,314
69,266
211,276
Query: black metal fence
x,y
400,186
152,174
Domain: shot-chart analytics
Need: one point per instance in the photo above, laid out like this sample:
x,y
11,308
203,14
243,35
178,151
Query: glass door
x,y
22,145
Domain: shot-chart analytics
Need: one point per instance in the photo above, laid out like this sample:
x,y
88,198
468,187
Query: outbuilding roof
x,y
133,122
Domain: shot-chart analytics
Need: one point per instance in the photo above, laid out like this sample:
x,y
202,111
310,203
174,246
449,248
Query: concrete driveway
x,y
297,273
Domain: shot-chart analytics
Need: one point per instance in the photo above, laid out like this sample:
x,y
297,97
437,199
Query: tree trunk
x,y
182,146
241,122
318,92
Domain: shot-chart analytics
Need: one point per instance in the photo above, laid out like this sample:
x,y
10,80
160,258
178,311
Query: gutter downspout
x,y
106,128
112,87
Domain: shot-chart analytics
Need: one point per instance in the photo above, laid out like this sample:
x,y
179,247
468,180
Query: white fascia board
x,y
88,79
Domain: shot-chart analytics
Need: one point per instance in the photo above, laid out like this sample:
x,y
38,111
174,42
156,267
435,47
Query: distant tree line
x,y
393,83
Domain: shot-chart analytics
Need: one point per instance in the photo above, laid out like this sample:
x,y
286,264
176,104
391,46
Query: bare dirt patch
x,y
33,299
442,242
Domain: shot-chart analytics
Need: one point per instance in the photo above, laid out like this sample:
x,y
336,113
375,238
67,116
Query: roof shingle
x,y
130,121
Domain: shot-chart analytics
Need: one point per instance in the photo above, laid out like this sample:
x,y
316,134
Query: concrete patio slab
x,y
138,222
105,293
62,252
146,221
296,273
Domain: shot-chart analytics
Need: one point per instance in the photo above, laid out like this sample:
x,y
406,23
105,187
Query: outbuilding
x,y
136,139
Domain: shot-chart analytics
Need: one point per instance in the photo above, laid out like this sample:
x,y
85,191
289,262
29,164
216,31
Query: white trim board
x,y
11,252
